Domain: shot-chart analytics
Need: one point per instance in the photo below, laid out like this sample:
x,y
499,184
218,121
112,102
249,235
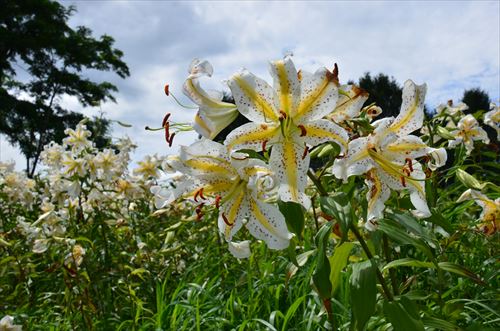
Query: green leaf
x,y
363,293
459,270
292,268
339,207
291,311
401,320
439,324
294,216
395,232
438,219
321,276
408,262
338,261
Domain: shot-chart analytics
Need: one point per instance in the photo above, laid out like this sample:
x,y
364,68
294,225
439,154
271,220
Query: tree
x,y
476,99
384,91
42,59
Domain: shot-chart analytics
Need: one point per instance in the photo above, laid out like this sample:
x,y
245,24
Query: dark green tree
x,y
476,99
41,59
384,91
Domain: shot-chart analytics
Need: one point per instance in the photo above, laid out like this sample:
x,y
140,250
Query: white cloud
x,y
449,45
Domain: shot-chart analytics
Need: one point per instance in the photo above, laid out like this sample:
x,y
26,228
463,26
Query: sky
x,y
451,46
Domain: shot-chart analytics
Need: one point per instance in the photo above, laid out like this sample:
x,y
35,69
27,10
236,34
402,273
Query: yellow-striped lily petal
x,y
321,131
319,95
411,115
254,97
286,84
415,183
256,136
268,224
349,103
406,147
377,195
232,213
356,162
291,162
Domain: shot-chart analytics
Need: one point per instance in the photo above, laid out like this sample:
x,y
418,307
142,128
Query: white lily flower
x,y
234,185
213,114
388,155
240,250
490,216
450,109
468,131
492,118
288,117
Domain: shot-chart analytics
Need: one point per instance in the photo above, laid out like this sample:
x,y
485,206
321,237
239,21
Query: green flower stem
x,y
392,272
317,183
369,254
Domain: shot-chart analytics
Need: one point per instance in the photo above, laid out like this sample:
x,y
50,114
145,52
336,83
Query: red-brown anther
x,y
428,173
224,218
283,115
403,181
196,194
264,143
306,150
201,194
167,132
303,130
165,120
410,164
199,213
217,201
166,89
171,139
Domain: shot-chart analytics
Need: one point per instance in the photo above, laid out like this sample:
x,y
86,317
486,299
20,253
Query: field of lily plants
x,y
316,213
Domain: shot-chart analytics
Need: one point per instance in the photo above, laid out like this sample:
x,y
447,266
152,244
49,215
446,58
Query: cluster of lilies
x,y
300,111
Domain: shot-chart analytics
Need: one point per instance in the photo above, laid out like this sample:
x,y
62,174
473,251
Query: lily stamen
x,y
264,143
217,201
199,212
306,150
224,218
303,130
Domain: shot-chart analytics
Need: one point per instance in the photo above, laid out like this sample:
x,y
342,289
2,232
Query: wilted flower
x,y
468,131
75,258
388,155
288,117
490,216
213,114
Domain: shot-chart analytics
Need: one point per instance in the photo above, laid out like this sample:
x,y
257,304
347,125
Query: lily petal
x,y
240,250
438,158
286,84
291,169
254,97
377,195
319,95
268,224
251,135
406,147
199,68
320,131
349,104
411,115
232,213
356,162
